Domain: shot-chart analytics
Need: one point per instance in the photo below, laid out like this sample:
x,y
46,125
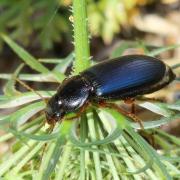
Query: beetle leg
x,y
131,102
149,137
117,108
149,99
82,109
133,108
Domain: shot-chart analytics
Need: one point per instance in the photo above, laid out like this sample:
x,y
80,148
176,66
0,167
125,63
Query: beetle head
x,y
54,110
71,95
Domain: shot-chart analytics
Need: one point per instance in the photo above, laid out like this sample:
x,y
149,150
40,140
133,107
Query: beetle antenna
x,y
30,89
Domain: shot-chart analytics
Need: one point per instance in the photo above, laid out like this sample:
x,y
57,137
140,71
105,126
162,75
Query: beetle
x,y
121,78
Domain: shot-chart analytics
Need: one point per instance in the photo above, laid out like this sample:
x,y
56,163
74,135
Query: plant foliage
x,y
48,21
102,144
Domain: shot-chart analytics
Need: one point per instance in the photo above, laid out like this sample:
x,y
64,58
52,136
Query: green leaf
x,y
63,65
119,50
4,120
155,123
13,159
27,158
22,115
93,135
25,56
126,45
36,77
116,132
175,106
54,158
175,66
40,137
162,49
30,127
151,153
64,161
120,119
24,98
51,60
9,88
157,108
140,152
167,136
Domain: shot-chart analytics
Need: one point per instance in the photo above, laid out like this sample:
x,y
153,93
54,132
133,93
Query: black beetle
x,y
117,79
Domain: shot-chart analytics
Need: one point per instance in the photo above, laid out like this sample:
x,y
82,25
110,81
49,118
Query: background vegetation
x,y
102,144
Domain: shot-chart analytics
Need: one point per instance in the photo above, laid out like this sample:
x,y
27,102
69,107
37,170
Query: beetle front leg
x,y
122,111
82,109
131,102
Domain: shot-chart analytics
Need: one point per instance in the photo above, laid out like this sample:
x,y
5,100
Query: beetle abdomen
x,y
128,76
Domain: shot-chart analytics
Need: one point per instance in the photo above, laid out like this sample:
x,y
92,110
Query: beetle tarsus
x,y
117,108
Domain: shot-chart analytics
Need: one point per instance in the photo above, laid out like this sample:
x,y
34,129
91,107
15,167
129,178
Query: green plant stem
x,y
81,41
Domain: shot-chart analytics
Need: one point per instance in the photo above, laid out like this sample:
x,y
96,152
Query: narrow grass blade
x,y
167,136
23,98
28,157
36,77
83,136
151,153
119,50
64,161
155,123
116,132
25,56
119,118
54,158
9,88
40,137
4,167
96,156
157,108
175,106
22,115
162,49
63,65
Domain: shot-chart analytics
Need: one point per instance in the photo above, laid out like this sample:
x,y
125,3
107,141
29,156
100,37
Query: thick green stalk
x,y
81,41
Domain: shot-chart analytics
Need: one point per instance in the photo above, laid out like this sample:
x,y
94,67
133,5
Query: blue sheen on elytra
x,y
125,73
